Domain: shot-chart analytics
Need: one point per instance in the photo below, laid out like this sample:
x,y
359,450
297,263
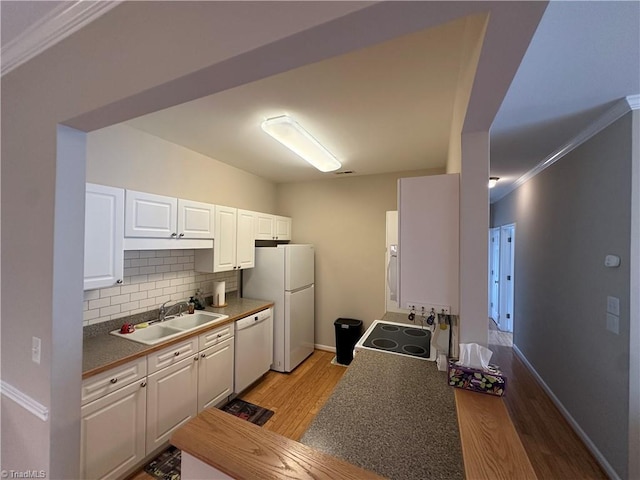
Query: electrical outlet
x,y
418,306
35,349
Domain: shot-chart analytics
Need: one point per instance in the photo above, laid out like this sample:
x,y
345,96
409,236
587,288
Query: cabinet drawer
x,y
111,380
171,355
216,336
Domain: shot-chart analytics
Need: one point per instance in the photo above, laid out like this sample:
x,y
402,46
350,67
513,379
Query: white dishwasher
x,y
254,348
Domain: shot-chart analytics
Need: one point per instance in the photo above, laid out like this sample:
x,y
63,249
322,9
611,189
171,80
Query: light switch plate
x,y
36,345
613,305
613,323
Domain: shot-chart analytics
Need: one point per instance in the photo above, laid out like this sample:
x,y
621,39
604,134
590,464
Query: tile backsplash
x,y
151,277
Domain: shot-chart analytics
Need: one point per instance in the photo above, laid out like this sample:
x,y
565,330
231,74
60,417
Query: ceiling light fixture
x,y
291,134
493,181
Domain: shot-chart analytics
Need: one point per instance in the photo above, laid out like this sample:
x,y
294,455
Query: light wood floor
x,y
553,449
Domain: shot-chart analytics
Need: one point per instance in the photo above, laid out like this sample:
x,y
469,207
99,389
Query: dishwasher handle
x,y
250,321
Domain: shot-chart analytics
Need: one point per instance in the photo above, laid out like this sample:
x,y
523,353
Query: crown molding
x,y
58,24
620,108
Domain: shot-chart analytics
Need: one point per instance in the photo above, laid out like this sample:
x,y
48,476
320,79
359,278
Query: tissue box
x,y
490,381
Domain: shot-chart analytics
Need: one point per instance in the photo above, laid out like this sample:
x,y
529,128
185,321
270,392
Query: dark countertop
x,y
102,351
393,415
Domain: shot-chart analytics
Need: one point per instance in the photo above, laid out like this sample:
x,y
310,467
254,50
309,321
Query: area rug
x,y
166,466
248,411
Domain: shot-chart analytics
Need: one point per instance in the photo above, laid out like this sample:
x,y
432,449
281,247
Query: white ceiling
x,y
389,107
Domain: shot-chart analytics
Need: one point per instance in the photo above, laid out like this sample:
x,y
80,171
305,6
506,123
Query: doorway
x,y
501,276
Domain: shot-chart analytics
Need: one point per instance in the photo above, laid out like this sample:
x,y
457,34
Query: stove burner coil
x,y
414,350
389,328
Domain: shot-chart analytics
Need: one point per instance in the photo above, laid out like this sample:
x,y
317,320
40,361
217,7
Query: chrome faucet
x,y
163,311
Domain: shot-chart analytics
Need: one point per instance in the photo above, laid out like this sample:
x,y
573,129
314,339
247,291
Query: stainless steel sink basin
x,y
162,331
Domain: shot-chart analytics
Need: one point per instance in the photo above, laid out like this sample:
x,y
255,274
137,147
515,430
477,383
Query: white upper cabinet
x,y
149,215
428,253
195,219
272,227
234,245
245,239
103,236
224,246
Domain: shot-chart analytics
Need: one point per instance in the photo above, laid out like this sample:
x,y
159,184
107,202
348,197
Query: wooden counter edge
x,y
246,451
491,447
154,348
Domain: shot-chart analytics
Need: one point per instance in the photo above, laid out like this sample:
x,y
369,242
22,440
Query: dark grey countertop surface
x,y
394,415
100,350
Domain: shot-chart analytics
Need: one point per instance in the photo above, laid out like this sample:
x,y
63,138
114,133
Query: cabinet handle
x,y
119,281
203,355
219,335
114,380
143,384
181,235
174,234
195,358
176,353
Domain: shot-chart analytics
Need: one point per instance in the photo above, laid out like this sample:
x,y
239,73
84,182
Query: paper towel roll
x,y
218,294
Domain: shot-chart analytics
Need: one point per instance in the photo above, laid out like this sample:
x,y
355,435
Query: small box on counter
x,y
490,380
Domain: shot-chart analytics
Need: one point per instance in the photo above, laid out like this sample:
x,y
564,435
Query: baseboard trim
x,y
569,418
325,348
25,401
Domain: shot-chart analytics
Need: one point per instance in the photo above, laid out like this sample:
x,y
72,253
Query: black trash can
x,y
348,332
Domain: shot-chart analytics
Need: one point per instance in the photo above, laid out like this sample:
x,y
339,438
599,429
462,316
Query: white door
x,y
507,246
103,236
112,433
171,400
215,374
148,215
224,245
245,239
299,335
494,274
195,219
299,266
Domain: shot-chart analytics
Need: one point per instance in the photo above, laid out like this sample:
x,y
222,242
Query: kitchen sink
x,y
194,321
162,331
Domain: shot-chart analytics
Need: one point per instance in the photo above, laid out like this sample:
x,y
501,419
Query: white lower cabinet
x,y
112,433
130,412
171,400
215,374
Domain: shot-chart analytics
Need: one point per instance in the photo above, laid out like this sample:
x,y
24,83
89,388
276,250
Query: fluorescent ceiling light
x,y
291,134
493,181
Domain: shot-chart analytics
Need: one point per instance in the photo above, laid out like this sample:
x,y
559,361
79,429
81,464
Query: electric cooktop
x,y
397,338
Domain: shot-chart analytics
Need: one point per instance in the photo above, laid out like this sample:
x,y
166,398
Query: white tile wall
x,y
151,277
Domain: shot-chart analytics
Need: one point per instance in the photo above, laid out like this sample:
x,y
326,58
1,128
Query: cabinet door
x,y
112,438
103,236
246,239
215,374
149,215
265,226
224,245
428,240
195,219
171,400
283,228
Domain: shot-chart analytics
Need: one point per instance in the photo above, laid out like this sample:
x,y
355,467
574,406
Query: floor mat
x,y
248,411
166,466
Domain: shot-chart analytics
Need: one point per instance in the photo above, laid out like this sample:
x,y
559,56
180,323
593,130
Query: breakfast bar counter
x,y
393,415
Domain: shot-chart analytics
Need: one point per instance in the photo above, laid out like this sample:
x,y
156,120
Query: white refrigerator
x,y
285,275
